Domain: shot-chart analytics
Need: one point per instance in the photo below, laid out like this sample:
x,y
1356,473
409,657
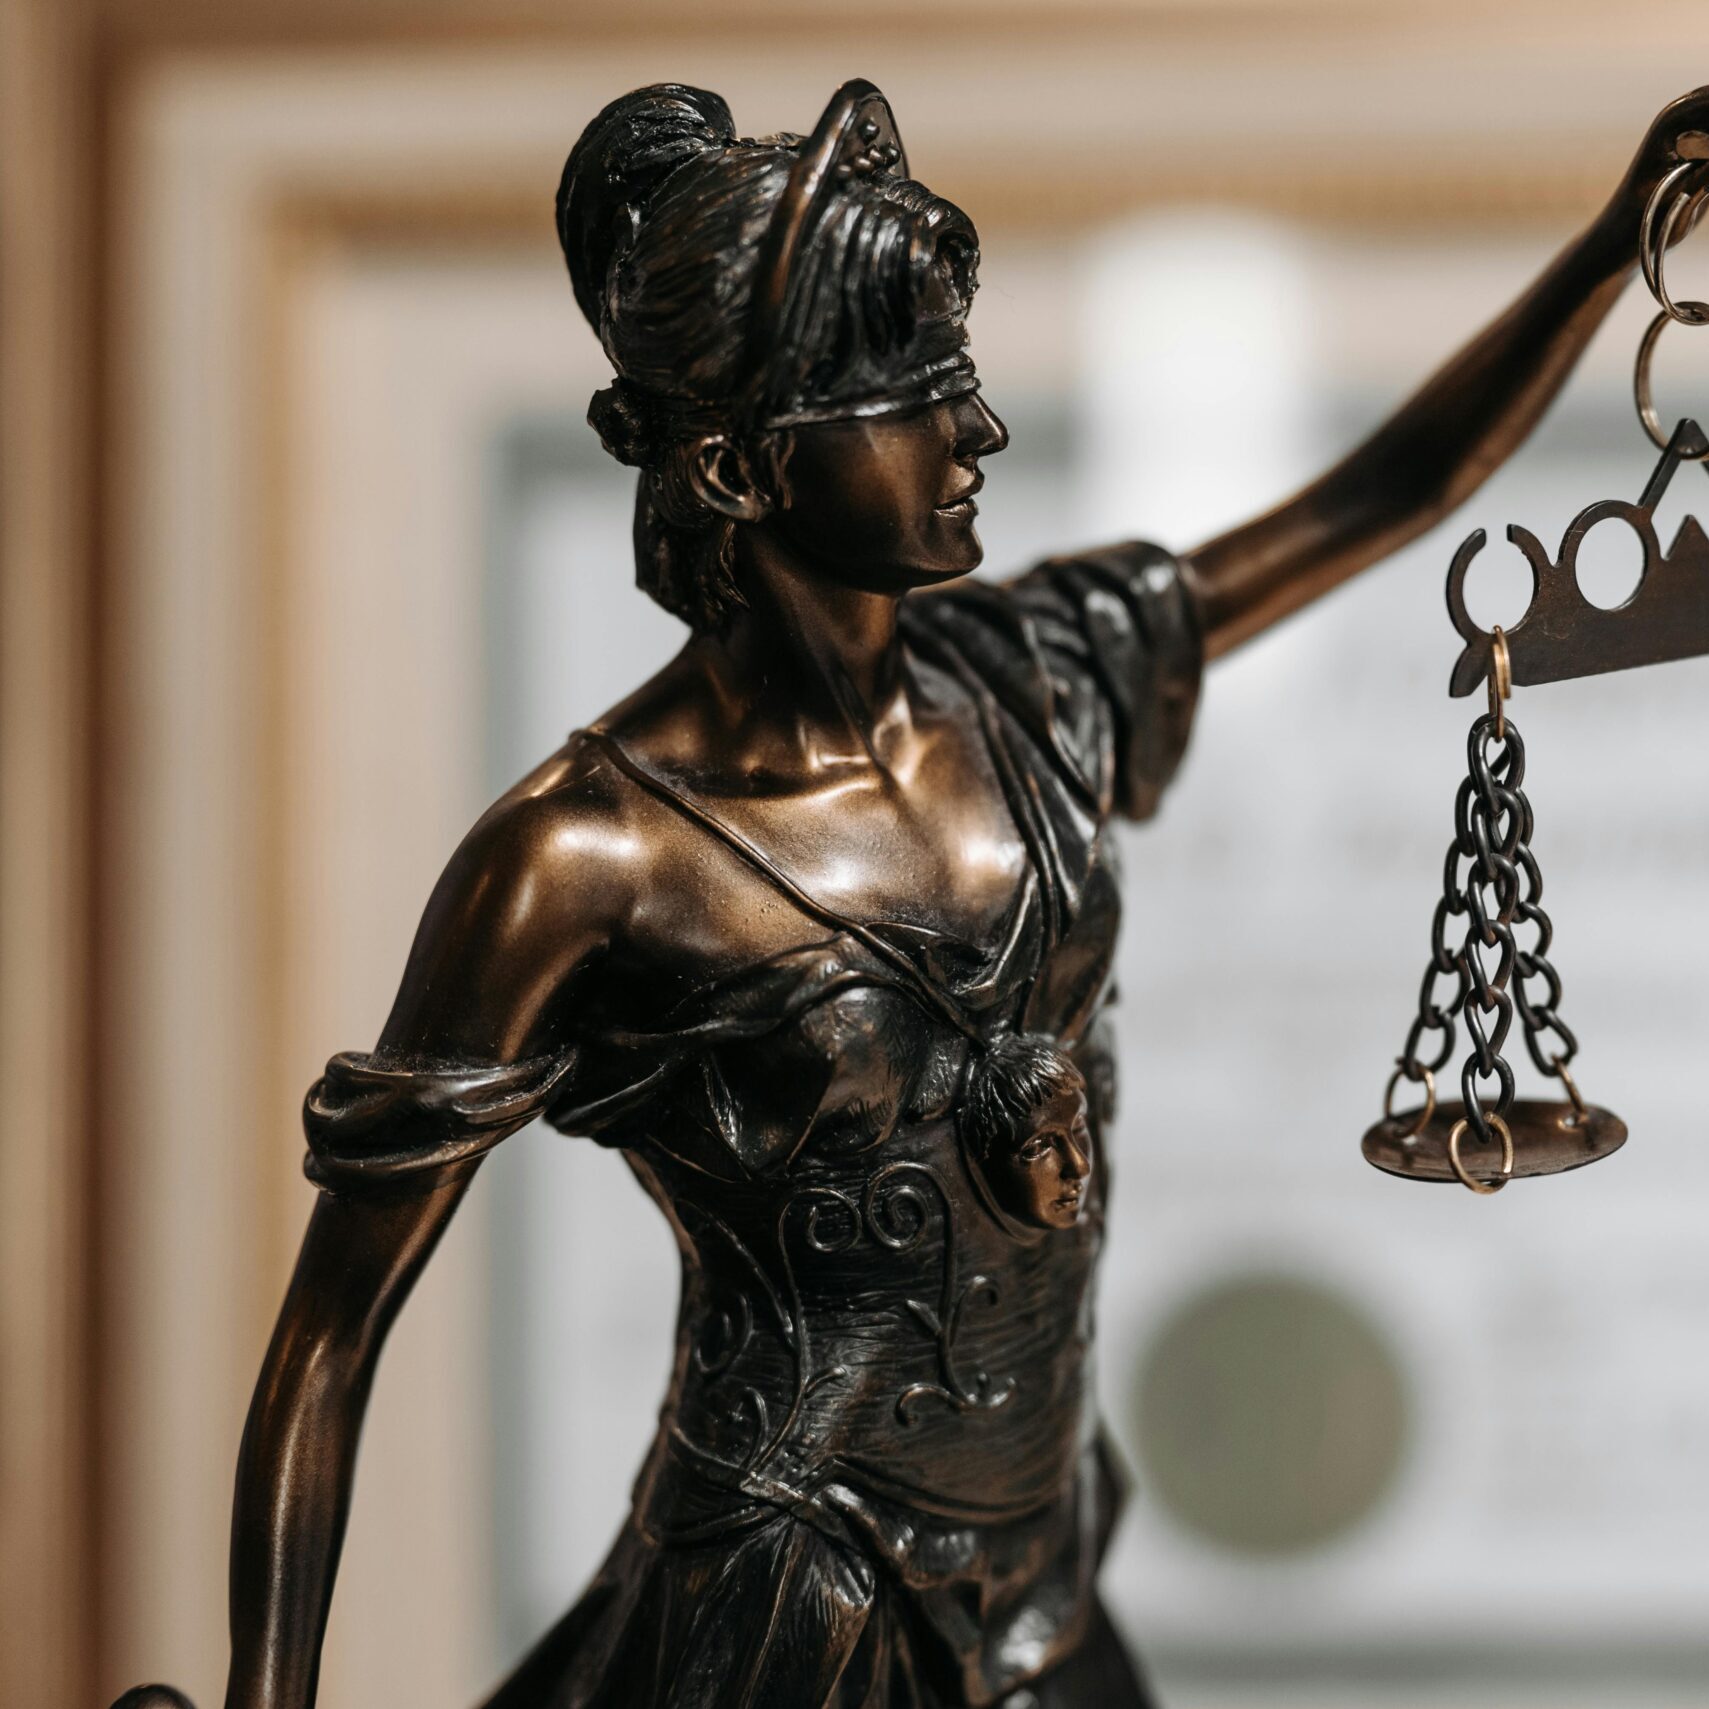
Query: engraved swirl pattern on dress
x,y
898,1209
722,1342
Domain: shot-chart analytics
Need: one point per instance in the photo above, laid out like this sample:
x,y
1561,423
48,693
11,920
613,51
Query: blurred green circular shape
x,y
1272,1414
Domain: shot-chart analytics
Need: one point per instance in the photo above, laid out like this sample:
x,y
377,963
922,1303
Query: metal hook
x,y
1422,1120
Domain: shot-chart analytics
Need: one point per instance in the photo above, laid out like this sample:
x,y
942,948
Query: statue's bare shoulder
x,y
543,885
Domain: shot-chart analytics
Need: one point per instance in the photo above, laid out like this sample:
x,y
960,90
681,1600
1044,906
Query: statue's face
x,y
1042,1177
886,503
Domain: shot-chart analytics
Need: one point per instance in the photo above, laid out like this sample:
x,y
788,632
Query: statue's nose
x,y
983,433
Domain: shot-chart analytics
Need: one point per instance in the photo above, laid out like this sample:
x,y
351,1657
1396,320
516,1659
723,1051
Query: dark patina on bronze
x,y
816,929
1492,893
1561,634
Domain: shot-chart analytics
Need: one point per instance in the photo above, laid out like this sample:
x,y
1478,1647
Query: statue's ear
x,y
723,481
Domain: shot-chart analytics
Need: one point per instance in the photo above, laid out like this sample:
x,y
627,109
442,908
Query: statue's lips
x,y
962,504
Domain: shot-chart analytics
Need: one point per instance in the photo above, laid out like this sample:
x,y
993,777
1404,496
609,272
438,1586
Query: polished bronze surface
x,y
1548,1139
816,928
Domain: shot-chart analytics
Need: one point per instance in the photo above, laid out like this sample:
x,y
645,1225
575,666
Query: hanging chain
x,y
1492,881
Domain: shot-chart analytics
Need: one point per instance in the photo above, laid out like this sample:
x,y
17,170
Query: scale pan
x,y
1548,1138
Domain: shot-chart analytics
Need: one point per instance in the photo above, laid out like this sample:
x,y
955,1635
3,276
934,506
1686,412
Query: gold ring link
x,y
1500,681
1653,244
1642,388
1457,1132
1425,1114
1564,1075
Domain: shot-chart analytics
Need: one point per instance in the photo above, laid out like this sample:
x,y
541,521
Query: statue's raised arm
x,y
1456,431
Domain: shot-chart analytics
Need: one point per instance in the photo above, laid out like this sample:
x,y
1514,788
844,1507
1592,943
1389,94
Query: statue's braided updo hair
x,y
661,212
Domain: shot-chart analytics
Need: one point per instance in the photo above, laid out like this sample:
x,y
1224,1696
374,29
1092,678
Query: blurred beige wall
x,y
46,1507
182,179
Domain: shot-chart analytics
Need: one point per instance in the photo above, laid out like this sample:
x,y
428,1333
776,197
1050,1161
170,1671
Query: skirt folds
x,y
782,1617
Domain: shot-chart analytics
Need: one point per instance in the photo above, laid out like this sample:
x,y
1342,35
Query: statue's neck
x,y
816,662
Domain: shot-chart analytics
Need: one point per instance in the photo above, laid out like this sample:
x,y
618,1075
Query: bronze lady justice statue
x,y
816,928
